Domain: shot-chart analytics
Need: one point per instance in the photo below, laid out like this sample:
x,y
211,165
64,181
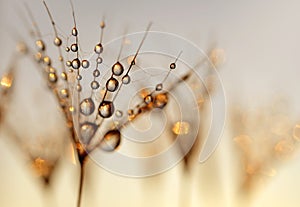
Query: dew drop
x,y
95,85
52,77
64,76
126,79
76,63
78,87
47,60
111,140
112,84
102,24
64,93
60,58
160,100
99,60
117,69
69,63
159,87
57,41
79,77
85,64
74,47
148,99
40,45
172,66
119,113
96,73
98,48
106,109
74,31
87,132
130,112
38,57
67,49
87,106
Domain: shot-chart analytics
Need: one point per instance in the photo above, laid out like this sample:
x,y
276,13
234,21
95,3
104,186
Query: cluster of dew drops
x,y
65,91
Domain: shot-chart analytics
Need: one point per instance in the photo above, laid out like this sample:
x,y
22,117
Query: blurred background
x,y
257,160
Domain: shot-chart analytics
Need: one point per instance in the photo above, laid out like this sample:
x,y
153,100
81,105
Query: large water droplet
x,y
117,69
57,41
76,63
106,109
111,140
126,79
74,31
160,100
40,45
112,84
74,47
87,106
98,48
47,60
87,132
85,64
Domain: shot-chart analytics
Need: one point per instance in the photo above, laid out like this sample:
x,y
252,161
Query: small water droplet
x,y
64,93
96,73
52,77
98,48
79,77
126,79
106,109
67,49
160,100
112,84
69,63
78,87
60,58
76,63
87,132
119,113
87,106
111,140
130,112
148,99
40,45
57,41
74,31
172,66
117,69
47,60
99,60
85,64
38,57
95,85
74,47
102,24
159,87
64,76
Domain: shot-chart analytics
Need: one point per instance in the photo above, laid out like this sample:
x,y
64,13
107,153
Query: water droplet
x,y
85,64
47,60
102,24
111,140
99,60
117,69
79,77
126,79
172,66
98,48
96,73
69,63
106,109
148,99
51,70
159,87
87,106
60,58
74,47
67,49
52,77
78,87
64,93
76,63
119,113
95,85
160,100
64,76
38,57
74,31
57,41
40,45
130,112
87,132
112,84
181,127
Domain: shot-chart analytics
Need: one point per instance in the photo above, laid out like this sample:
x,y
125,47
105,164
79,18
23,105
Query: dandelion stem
x,y
81,179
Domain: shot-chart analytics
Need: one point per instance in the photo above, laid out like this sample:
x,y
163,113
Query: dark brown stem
x,y
81,179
